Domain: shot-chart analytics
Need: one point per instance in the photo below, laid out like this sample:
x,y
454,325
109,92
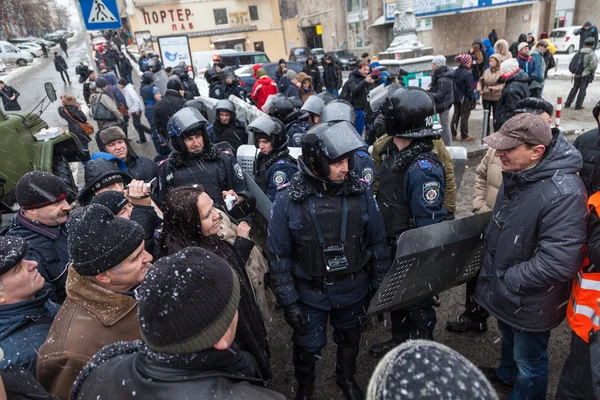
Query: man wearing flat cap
x,y
26,311
533,247
41,221
107,262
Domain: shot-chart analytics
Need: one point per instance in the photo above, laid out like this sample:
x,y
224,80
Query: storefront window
x,y
357,36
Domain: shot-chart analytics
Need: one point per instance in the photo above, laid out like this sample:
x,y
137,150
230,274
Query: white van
x,y
10,54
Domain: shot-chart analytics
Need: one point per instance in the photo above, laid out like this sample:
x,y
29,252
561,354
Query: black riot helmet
x,y
225,105
325,144
212,76
409,113
185,123
296,101
148,77
338,111
154,64
269,128
198,105
177,71
313,105
326,97
279,106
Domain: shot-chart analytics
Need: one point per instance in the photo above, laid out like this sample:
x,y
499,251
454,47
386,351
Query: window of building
x,y
220,16
355,5
253,10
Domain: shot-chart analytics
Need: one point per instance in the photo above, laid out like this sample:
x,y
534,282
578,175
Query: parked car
x,y
318,54
52,37
9,53
346,59
243,58
300,54
245,73
565,40
33,48
40,41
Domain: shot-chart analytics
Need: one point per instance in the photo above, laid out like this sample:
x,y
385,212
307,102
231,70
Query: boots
x,y
348,341
380,349
304,363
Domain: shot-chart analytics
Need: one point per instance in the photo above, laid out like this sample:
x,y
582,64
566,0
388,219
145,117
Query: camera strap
x,y
313,213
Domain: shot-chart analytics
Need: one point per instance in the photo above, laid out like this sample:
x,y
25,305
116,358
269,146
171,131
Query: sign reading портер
x,y
179,18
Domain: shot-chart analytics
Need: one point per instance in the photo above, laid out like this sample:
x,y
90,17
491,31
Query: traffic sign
x,y
100,14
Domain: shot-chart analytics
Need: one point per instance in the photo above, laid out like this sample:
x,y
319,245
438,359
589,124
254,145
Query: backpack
x,y
576,65
101,113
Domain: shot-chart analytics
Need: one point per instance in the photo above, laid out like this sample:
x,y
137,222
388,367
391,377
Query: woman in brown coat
x,y
489,88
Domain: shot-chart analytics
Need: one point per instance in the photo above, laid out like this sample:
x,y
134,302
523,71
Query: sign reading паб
x,y
179,18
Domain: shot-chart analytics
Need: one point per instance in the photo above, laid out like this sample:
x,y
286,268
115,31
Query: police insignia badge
x,y
279,178
431,192
238,171
368,175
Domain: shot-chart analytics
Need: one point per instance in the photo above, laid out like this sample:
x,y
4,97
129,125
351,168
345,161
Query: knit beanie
x,y
440,61
522,45
113,200
99,241
261,72
111,134
12,251
37,189
464,59
187,301
101,82
291,74
508,67
426,370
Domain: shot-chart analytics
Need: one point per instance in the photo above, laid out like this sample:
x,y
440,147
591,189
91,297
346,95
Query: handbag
x,y
101,113
87,128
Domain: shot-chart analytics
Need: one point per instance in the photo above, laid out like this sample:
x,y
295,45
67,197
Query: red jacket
x,y
261,90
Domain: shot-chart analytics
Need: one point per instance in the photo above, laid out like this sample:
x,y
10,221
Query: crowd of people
x,y
86,314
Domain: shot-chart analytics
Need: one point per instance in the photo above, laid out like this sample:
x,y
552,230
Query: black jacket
x,y
514,48
442,89
332,76
515,89
233,133
165,108
128,367
584,34
589,147
533,241
463,85
125,67
358,88
314,73
60,64
74,115
7,93
190,86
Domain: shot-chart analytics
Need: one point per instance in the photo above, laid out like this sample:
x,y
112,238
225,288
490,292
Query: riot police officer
x,y
227,128
215,87
160,76
195,160
296,121
274,167
341,110
411,194
231,85
324,232
314,107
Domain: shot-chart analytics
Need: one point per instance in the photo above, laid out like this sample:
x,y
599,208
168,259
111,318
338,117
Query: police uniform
x,y
411,195
274,170
364,166
327,243
296,131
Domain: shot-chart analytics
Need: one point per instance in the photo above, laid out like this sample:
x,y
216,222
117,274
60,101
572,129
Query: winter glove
x,y
293,316
449,217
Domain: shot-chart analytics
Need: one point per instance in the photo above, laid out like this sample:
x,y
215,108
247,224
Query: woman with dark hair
x,y
281,70
190,219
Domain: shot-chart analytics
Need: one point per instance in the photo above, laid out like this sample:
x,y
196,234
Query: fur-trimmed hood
x,y
302,186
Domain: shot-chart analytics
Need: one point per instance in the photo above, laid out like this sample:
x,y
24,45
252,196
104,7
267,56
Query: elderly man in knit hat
x,y
464,97
442,91
26,311
108,261
532,248
113,141
188,310
41,220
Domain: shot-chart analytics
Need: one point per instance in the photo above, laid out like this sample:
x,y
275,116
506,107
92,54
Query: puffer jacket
x,y
489,86
501,50
516,87
442,89
488,179
534,241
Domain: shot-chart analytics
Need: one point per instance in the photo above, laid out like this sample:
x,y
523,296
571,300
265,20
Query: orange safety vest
x,y
581,310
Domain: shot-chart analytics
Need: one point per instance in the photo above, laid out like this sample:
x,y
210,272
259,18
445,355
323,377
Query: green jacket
x,y
590,61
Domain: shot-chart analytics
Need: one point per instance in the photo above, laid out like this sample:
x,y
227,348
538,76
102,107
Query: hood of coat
x,y
14,316
561,158
522,38
111,78
501,47
109,307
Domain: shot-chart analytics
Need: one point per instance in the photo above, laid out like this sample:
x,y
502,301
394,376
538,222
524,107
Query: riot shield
x,y
430,260
210,107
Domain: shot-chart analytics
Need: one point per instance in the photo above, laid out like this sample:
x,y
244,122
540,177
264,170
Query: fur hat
x,y
111,134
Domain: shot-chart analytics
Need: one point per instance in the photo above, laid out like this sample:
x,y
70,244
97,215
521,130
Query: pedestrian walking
x,y
489,88
442,91
10,97
528,290
44,49
61,66
125,67
135,107
584,75
113,91
516,87
151,95
464,97
332,76
588,31
63,45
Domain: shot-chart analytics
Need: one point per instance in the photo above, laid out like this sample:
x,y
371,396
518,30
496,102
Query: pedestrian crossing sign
x,y
100,14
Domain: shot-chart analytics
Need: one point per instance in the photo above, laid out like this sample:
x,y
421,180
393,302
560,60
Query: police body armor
x,y
331,243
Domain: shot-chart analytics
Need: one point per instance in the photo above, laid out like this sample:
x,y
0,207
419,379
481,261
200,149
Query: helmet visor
x,y
341,139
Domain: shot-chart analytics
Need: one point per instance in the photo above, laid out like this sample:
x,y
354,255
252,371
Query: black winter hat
x,y
38,189
12,251
101,82
589,41
534,105
113,200
422,369
99,241
187,301
174,84
100,173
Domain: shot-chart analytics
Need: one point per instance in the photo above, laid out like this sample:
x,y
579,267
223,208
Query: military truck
x,y
22,151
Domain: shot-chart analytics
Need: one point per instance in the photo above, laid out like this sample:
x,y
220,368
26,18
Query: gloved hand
x,y
449,216
293,316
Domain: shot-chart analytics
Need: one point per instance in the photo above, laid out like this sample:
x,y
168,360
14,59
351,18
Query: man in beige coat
x,y
108,261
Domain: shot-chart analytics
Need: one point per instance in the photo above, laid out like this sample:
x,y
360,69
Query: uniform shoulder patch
x,y
279,178
281,161
163,162
362,153
238,170
424,164
431,191
367,175
284,186
227,153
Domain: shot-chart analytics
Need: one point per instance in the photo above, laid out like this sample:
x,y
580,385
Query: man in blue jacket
x,y
539,68
26,313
